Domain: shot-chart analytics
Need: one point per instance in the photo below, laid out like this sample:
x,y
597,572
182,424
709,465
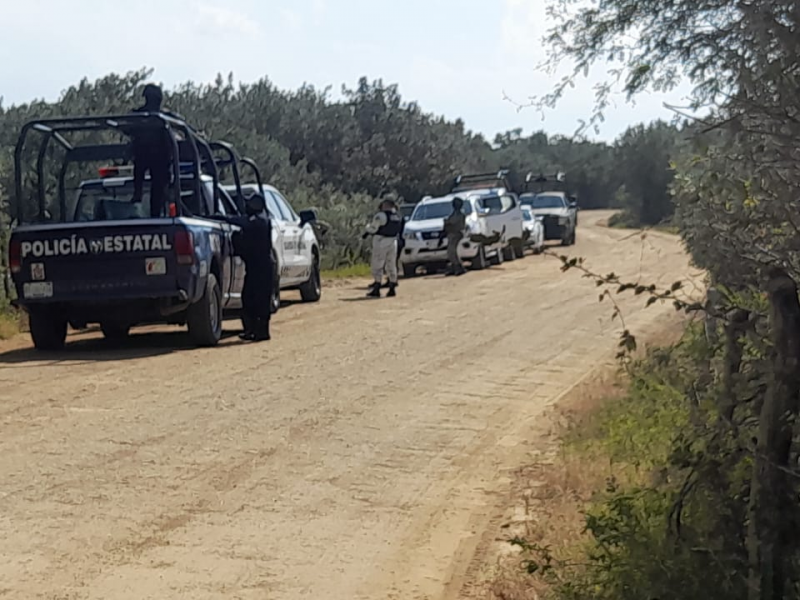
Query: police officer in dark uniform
x,y
254,244
151,152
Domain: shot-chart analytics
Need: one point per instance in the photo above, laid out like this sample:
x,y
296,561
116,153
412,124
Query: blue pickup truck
x,y
83,250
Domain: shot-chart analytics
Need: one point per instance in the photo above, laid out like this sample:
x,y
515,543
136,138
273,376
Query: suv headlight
x,y
563,220
410,235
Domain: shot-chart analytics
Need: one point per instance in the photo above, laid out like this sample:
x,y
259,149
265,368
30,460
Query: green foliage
x,y
668,525
644,154
335,156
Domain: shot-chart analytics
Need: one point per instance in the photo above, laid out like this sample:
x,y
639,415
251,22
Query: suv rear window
x,y
544,201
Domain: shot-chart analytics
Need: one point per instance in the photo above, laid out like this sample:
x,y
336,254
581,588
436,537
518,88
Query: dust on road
x,y
359,455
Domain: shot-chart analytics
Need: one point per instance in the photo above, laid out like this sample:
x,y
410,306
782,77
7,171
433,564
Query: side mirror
x,y
307,216
573,204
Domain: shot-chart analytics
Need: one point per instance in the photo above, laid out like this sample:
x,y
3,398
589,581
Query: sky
x,y
470,59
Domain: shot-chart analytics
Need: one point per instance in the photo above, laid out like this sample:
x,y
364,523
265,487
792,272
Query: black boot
x,y
392,290
375,292
247,326
262,331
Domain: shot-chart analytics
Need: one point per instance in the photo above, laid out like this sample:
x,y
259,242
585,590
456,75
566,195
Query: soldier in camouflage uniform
x,y
454,229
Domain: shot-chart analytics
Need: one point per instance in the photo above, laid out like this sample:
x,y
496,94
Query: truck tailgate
x,y
87,262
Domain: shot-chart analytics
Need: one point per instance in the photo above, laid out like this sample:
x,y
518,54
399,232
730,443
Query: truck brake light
x,y
184,247
15,256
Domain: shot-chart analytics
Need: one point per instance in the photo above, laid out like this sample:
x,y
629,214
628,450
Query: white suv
x,y
494,223
296,248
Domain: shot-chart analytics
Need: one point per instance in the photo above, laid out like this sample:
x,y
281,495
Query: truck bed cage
x,y
475,181
542,181
191,148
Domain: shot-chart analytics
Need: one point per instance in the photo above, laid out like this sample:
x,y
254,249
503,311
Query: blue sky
x,y
457,58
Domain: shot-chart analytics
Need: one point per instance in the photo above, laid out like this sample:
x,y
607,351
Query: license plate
x,y
38,289
37,272
156,266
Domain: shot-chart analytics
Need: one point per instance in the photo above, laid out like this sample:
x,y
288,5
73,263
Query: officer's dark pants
x,y
159,180
455,265
256,300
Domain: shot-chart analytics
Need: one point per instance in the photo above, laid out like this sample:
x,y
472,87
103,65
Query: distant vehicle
x,y
493,216
558,213
294,243
534,230
559,210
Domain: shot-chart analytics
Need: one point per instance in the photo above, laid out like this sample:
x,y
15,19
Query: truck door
x,y
234,283
279,234
492,211
293,235
511,216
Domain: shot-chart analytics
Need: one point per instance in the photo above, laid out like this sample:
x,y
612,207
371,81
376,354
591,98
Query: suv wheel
x,y
497,259
479,262
311,290
409,270
48,330
205,316
275,297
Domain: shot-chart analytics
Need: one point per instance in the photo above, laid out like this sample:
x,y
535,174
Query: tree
x,y
739,193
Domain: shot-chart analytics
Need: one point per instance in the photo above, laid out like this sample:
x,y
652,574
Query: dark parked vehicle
x,y
83,251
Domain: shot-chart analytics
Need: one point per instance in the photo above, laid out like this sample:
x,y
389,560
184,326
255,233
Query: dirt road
x,y
359,455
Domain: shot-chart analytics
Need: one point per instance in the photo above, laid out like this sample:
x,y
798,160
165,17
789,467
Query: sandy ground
x,y
359,455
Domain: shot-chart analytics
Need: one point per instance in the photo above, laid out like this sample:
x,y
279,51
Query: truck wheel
x,y
311,290
497,259
275,298
48,330
205,316
115,332
409,270
479,262
519,249
508,253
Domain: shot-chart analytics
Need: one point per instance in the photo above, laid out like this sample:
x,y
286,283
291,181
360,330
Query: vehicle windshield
x,y
112,200
406,210
438,210
543,201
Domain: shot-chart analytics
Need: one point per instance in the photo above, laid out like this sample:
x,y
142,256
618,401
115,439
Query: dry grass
x,y
10,324
551,493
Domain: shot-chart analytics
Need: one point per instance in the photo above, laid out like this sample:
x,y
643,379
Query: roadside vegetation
x,y
701,494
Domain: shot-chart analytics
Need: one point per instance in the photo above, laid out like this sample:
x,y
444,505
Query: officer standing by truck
x,y
152,152
454,228
384,228
254,244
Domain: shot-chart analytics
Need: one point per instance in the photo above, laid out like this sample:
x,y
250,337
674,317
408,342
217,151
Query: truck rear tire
x,y
115,332
508,253
311,290
48,330
205,316
409,270
519,249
